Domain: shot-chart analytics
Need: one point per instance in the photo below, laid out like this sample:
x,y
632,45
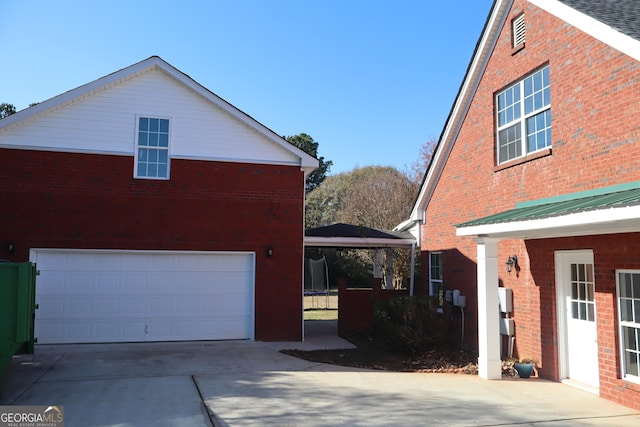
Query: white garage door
x,y
112,296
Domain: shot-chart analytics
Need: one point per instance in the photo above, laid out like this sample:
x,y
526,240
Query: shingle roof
x,y
622,15
348,230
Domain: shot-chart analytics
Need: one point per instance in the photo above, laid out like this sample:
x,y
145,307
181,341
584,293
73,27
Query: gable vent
x,y
519,30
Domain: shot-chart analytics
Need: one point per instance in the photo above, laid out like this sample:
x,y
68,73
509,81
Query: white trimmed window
x,y
152,148
523,117
628,288
436,284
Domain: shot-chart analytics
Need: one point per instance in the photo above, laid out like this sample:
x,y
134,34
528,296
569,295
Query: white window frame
x,y
626,324
138,148
439,282
518,123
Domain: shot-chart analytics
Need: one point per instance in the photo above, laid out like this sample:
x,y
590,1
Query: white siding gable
x,y
104,122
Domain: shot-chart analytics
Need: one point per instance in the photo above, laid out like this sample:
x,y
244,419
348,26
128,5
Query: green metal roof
x,y
616,196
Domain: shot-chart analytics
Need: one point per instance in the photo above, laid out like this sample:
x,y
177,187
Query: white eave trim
x,y
602,221
356,242
597,29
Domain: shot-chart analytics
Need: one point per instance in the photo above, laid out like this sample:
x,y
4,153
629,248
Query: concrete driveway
x,y
239,383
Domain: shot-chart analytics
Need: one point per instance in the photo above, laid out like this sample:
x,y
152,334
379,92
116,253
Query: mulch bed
x,y
370,355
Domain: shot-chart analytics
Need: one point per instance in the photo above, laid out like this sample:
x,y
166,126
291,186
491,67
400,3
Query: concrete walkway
x,y
239,383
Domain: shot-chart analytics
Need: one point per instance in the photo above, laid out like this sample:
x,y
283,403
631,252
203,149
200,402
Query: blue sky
x,y
370,80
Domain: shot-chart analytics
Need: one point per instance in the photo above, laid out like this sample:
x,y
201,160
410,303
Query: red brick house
x,y
154,211
539,161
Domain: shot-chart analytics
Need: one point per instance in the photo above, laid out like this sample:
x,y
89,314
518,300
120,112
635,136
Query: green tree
x,y
308,145
6,110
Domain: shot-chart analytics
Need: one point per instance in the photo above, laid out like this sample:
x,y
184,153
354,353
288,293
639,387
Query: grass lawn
x,y
322,314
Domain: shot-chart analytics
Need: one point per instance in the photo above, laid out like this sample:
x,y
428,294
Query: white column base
x,y
489,369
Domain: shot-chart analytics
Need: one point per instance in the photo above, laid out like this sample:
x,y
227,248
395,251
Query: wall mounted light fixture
x,y
11,248
269,251
512,262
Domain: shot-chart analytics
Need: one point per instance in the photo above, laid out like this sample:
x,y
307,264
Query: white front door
x,y
577,317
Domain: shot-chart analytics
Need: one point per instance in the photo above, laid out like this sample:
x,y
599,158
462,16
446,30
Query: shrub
x,y
410,324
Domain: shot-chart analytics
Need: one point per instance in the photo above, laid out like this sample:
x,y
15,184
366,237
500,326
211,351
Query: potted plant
x,y
525,367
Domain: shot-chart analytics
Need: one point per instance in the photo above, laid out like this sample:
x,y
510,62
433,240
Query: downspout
x,y
413,268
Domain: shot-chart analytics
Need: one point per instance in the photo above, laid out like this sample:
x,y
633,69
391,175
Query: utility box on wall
x,y
506,300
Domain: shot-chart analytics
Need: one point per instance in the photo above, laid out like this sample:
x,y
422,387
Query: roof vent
x,y
519,30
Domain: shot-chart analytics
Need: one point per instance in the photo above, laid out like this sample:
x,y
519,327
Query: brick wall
x,y
594,104
65,200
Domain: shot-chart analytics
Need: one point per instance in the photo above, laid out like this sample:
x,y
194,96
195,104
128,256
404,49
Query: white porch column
x,y
377,264
489,363
389,268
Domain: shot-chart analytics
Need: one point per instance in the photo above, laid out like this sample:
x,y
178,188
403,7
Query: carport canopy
x,y
350,236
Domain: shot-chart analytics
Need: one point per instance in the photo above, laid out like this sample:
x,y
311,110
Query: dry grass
x,y
321,307
323,314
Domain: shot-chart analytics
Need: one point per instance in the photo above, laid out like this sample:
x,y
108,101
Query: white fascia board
x,y
602,221
356,242
598,30
488,40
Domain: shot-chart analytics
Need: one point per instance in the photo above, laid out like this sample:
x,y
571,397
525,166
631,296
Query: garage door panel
x,y
95,296
53,309
107,306
78,331
79,308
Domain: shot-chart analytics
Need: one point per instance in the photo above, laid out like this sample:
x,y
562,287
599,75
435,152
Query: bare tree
x,y
419,167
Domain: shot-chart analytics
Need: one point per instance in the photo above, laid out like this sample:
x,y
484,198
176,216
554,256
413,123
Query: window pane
x,y
152,169
163,140
142,169
547,96
636,310
537,100
581,272
625,285
144,124
163,156
528,105
162,171
142,155
528,87
153,156
574,272
574,290
537,81
626,310
574,310
631,363
636,285
142,138
583,311
153,139
154,125
590,313
164,126
629,338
